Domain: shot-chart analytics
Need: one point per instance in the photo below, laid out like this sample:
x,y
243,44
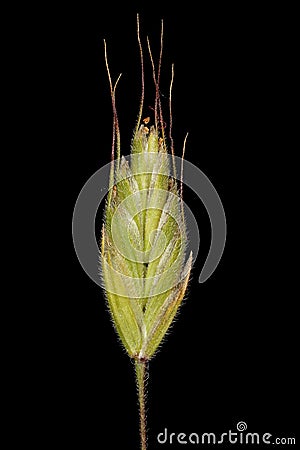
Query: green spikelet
x,y
143,258
144,265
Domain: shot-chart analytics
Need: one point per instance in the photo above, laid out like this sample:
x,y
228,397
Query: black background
x,y
231,353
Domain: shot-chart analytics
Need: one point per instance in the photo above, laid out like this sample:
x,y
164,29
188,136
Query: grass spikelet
x,y
144,263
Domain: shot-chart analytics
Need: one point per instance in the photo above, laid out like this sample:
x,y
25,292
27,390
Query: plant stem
x,y
141,373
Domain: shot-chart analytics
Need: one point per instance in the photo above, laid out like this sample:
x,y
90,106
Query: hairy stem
x,y
141,373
